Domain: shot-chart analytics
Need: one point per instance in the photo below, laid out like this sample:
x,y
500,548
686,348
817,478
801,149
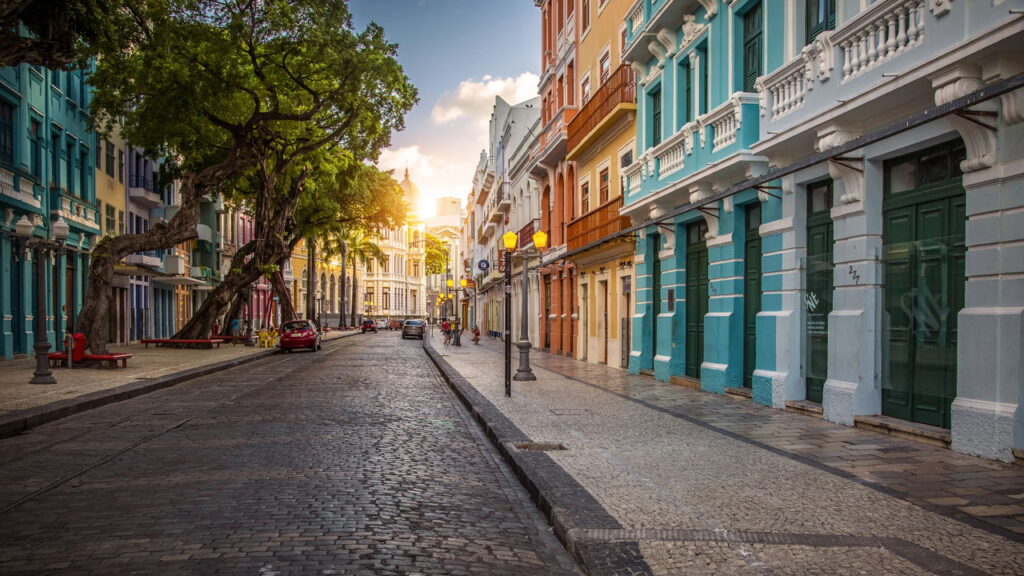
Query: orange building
x,y
556,175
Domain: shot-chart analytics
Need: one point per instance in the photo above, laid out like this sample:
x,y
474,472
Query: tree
x,y
57,33
258,100
436,255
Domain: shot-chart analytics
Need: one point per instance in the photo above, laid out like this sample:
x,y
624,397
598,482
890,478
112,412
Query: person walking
x,y
476,334
446,329
236,327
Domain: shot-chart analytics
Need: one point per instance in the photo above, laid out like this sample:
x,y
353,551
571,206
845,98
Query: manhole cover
x,y
539,446
571,412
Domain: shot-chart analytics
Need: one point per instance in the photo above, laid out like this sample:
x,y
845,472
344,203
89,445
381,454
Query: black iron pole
x,y
508,323
42,375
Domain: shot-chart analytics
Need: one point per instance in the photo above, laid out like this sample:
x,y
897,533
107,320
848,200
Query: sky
x,y
459,54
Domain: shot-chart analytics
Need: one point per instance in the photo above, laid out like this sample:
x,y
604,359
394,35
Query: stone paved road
x,y
356,460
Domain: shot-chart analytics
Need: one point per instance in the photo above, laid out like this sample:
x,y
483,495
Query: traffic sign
x,y
483,265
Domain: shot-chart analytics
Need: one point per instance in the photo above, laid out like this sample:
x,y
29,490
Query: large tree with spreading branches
x,y
262,101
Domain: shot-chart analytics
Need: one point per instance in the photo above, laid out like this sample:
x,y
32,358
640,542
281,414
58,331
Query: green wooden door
x,y
818,297
925,282
751,290
752,47
655,291
696,295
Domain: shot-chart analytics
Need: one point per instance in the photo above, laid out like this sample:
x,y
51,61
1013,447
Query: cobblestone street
x,y
354,460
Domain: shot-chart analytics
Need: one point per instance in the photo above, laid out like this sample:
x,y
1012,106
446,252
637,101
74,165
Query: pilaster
x,y
723,324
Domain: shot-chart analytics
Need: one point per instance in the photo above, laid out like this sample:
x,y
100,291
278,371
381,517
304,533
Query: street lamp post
x,y
524,372
24,229
509,239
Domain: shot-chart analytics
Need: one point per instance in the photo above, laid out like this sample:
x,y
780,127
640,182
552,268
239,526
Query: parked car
x,y
413,329
299,334
382,324
369,326
395,325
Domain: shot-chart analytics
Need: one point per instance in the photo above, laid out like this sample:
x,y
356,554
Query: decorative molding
x,y
939,7
640,72
658,50
819,56
691,31
668,40
979,140
711,7
1013,106
788,184
853,178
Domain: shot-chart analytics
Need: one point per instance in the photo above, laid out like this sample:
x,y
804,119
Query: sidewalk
x,y
24,405
660,479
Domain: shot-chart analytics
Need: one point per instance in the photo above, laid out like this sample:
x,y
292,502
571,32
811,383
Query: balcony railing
x,y
596,224
526,233
620,88
140,181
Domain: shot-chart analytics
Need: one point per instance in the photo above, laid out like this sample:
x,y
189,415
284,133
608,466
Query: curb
x,y
19,421
569,508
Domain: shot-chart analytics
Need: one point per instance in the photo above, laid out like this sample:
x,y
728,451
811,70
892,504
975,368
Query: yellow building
x,y
111,205
601,140
325,285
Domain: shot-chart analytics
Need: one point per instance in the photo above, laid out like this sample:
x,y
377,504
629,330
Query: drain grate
x,y
539,446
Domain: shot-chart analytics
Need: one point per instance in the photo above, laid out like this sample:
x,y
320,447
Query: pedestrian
x,y
476,334
236,325
446,329
216,329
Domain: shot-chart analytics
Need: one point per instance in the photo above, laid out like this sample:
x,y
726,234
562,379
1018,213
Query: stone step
x,y
806,407
686,382
740,392
911,430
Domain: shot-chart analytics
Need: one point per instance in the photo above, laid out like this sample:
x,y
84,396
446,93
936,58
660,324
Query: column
x,y
723,324
776,375
670,351
7,263
641,354
987,418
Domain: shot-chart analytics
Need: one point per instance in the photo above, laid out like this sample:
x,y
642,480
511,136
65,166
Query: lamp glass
x,y
24,227
540,239
509,239
463,282
450,282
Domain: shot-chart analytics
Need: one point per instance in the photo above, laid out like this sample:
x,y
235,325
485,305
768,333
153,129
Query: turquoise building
x,y
880,286
47,163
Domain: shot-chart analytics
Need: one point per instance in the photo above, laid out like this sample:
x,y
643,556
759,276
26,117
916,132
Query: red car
x,y
299,334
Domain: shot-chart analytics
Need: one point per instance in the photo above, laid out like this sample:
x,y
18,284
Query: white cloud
x,y
474,99
435,176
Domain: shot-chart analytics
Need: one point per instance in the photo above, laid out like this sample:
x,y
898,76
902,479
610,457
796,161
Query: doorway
x,y
697,296
751,290
924,221
602,302
818,295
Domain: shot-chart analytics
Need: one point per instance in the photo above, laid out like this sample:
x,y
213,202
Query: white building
x,y
396,289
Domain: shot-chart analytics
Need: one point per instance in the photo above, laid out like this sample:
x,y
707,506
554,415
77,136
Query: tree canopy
x,y
436,255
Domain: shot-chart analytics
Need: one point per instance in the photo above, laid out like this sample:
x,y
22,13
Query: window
x,y
703,64
110,222
655,103
751,47
84,173
71,167
603,183
605,66
386,299
120,221
55,159
585,197
585,89
685,91
585,15
120,165
109,157
36,135
625,160
6,132
821,16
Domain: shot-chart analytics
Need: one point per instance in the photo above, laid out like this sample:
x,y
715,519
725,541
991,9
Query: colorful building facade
x,y
870,286
601,140
47,163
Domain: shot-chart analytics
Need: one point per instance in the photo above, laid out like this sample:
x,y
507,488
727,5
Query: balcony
x,y
23,192
660,16
485,232
203,273
613,99
204,233
148,259
597,224
142,191
883,41
526,233
551,145
174,264
504,198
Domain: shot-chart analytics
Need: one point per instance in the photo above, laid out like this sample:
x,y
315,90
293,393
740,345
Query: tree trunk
x,y
342,313
354,300
284,297
241,274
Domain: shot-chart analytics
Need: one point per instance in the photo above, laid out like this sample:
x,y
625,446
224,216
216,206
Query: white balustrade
x,y
671,154
633,179
879,33
785,88
636,19
6,180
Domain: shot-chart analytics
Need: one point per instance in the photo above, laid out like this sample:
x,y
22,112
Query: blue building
x,y
883,285
47,159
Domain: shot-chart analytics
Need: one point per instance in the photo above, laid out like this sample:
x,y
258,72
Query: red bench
x,y
182,343
111,359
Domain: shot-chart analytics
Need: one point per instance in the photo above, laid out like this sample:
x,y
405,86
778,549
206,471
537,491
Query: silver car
x,y
413,329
